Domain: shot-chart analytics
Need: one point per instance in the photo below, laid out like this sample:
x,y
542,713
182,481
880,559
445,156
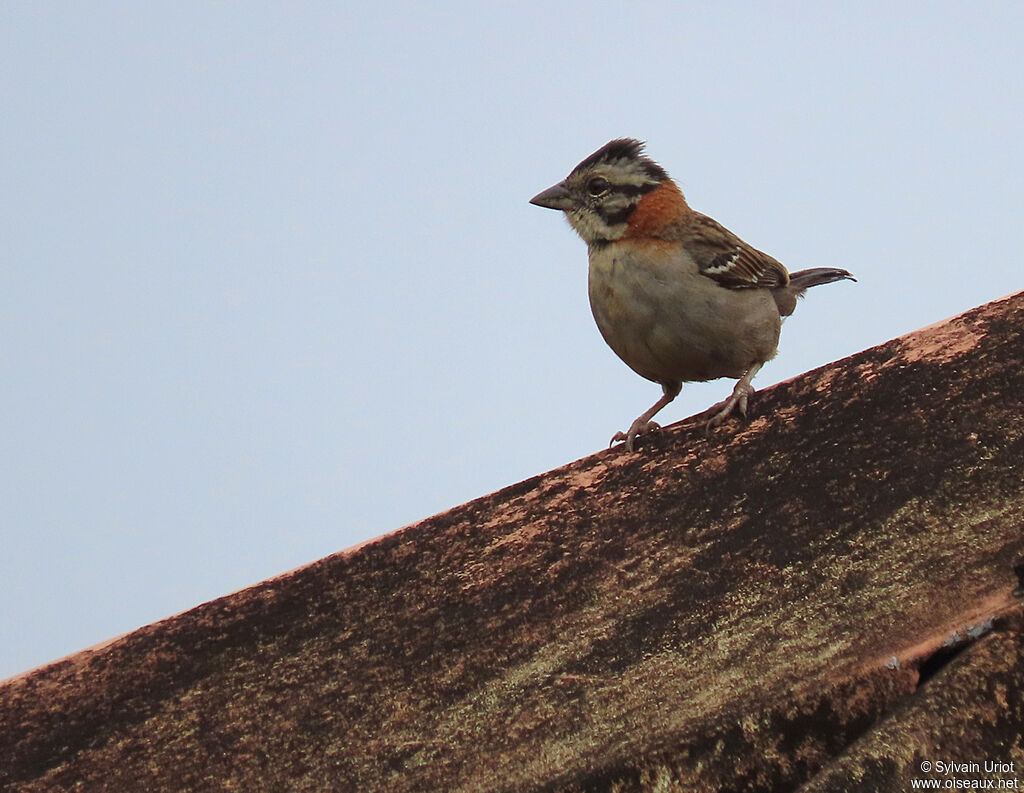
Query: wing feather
x,y
725,258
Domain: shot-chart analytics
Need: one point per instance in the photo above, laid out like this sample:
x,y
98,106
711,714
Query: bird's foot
x,y
737,401
639,427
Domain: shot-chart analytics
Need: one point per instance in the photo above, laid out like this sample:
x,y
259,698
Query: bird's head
x,y
601,196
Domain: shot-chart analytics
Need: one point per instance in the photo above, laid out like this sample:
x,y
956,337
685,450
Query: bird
x,y
676,295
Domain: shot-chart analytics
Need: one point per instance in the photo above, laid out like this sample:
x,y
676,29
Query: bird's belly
x,y
668,327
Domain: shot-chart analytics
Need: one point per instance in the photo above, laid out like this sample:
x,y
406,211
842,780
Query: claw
x,y
636,429
642,424
737,401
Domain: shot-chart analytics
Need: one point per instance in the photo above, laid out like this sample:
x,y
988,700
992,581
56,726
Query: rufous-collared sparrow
x,y
676,295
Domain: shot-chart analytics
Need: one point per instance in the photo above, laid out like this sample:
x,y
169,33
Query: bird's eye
x,y
598,186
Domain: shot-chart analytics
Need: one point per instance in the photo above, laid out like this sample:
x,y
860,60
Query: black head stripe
x,y
635,189
615,217
624,149
620,149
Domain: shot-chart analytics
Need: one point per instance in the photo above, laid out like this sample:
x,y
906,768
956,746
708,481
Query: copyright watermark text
x,y
970,775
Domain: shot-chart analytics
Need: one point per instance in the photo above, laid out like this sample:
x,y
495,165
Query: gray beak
x,y
556,197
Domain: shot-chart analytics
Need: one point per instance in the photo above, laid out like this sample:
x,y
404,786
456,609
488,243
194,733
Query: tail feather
x,y
805,279
801,281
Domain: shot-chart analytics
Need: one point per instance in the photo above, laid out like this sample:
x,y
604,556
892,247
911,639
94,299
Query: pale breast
x,y
668,322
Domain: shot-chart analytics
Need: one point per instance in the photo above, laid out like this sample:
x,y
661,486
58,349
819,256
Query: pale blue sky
x,y
271,285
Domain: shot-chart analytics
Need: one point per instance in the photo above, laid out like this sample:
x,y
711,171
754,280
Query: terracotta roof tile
x,y
755,610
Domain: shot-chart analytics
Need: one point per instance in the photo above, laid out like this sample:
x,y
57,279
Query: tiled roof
x,y
821,597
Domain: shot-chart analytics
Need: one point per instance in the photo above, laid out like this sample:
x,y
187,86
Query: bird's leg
x,y
736,400
643,423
